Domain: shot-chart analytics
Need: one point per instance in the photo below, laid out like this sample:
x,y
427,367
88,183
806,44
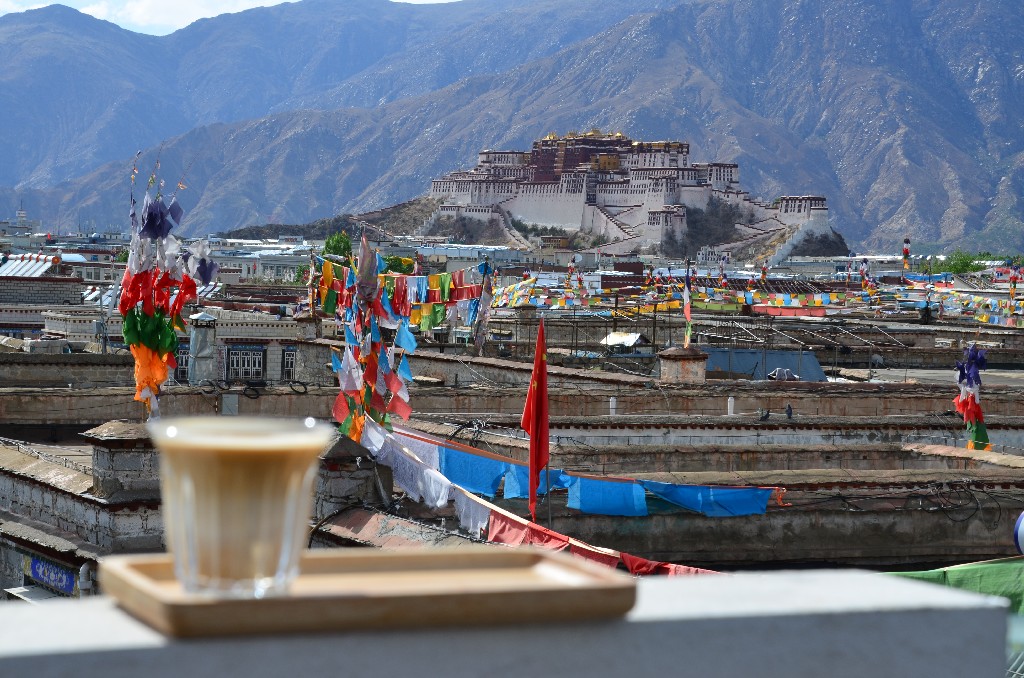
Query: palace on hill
x,y
631,192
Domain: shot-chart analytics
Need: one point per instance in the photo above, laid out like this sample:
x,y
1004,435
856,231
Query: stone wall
x,y
48,291
82,370
832,533
110,527
124,461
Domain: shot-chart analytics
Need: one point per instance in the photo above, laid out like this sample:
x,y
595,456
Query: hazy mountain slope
x,y
906,114
71,85
76,92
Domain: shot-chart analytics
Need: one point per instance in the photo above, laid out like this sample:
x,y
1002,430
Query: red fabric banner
x,y
544,538
596,556
642,566
504,530
535,417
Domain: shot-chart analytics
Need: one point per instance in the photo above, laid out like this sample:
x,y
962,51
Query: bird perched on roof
x,y
764,417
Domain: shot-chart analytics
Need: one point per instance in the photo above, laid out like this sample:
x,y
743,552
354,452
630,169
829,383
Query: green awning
x,y
1003,577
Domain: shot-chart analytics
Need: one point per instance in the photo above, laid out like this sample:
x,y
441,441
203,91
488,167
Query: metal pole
x,y
654,328
547,479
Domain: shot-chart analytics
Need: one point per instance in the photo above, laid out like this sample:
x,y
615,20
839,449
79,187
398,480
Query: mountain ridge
x,y
905,124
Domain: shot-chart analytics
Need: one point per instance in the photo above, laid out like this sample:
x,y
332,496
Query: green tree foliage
x,y
339,245
301,273
397,265
959,261
121,257
534,229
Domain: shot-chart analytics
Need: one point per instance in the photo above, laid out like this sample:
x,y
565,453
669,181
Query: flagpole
x,y
547,480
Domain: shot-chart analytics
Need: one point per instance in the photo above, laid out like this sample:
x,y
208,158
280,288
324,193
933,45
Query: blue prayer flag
x,y
335,361
385,303
403,370
374,330
404,338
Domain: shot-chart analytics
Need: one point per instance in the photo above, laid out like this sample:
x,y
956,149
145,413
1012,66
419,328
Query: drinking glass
x,y
237,495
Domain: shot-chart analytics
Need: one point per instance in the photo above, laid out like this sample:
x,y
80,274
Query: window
x,y
245,363
181,373
288,363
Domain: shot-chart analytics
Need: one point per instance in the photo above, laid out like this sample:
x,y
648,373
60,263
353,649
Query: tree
x,y
960,261
398,264
121,257
301,273
339,245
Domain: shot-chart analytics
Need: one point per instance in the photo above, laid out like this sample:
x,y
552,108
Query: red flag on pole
x,y
535,417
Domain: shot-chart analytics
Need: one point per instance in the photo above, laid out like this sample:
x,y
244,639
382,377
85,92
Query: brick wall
x,y
48,291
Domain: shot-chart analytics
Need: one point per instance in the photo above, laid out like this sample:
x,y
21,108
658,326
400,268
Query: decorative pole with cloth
x,y
484,312
906,258
968,402
159,279
535,417
686,307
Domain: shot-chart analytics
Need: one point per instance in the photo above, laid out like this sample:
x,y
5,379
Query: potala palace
x,y
631,192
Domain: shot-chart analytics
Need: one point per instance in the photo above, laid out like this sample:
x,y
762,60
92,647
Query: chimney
x,y
682,365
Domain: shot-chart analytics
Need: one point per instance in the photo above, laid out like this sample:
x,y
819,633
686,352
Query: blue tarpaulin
x,y
607,497
517,481
714,501
753,361
481,475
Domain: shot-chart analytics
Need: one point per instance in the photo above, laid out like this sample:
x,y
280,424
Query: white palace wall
x,y
547,205
693,196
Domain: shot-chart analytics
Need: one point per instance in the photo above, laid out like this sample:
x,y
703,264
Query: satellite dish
x,y
577,258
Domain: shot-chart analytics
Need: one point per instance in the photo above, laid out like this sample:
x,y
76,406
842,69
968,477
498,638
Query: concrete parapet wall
x,y
111,527
842,624
471,393
85,370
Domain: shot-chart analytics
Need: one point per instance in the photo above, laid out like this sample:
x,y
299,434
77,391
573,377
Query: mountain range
x,y
905,114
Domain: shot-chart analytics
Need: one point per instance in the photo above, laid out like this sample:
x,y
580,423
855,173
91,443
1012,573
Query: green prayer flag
x,y
437,314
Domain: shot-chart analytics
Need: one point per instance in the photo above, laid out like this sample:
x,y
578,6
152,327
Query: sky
x,y
155,17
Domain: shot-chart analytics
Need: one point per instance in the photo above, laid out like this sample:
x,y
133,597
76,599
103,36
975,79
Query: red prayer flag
x,y
535,417
399,407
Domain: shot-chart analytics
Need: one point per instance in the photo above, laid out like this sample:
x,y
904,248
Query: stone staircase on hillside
x,y
627,231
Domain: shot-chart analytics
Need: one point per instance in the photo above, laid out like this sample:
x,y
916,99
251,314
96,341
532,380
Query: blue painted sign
x,y
52,575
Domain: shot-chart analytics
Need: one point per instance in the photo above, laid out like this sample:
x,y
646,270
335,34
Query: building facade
x,y
611,185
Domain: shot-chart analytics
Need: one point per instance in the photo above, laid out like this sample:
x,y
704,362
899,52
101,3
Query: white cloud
x,y
156,17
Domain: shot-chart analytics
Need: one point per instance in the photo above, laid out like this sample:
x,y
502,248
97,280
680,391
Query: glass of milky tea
x,y
237,495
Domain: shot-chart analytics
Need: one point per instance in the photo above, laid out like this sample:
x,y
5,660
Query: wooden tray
x,y
346,589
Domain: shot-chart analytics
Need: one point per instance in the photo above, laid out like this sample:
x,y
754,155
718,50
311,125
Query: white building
x,y
612,185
